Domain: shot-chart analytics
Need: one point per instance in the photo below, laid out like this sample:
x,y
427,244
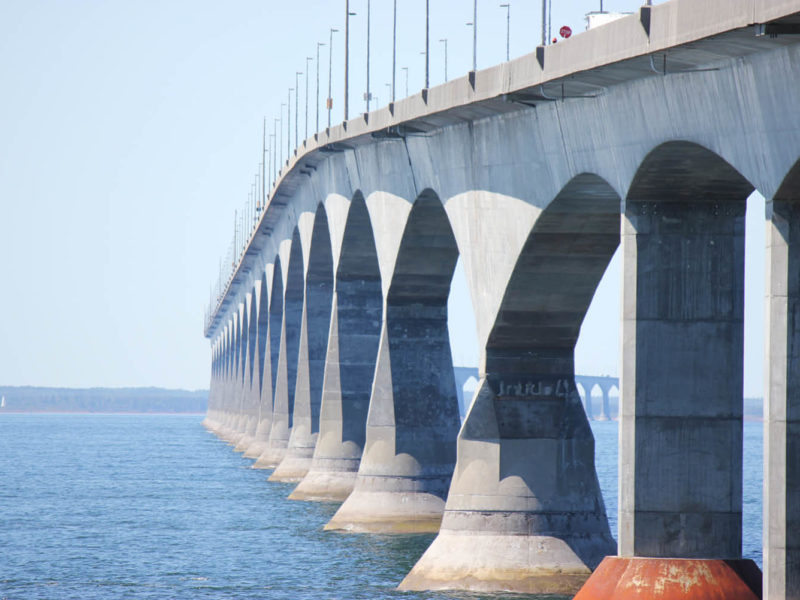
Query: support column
x,y
680,457
782,403
411,430
279,433
349,369
525,512
606,414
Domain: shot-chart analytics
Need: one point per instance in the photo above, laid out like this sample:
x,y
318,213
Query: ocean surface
x,y
119,506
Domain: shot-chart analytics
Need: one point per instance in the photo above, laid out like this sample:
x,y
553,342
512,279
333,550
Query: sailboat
x,y
3,402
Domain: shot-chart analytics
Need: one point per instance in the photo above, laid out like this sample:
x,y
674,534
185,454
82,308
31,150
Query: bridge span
x,y
331,359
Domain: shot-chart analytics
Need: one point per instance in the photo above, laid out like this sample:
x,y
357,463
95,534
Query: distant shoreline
x,y
144,400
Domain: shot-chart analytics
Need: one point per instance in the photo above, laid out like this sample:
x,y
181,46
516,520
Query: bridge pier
x,y
524,511
413,418
681,437
782,398
349,365
313,343
263,389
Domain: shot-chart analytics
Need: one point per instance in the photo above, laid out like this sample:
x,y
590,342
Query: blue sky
x,y
131,131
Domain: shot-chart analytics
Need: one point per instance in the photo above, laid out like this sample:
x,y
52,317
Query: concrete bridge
x,y
331,360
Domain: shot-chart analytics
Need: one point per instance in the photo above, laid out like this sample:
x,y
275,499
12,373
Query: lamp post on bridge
x,y
289,125
347,16
507,6
406,70
367,96
281,140
394,46
308,58
318,45
428,44
296,111
445,58
329,102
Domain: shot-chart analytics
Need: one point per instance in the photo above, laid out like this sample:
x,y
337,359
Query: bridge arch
x,y
252,336
263,331
293,315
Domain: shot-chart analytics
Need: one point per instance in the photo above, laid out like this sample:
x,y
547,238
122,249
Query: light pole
x,y
274,152
280,146
347,16
427,44
308,58
445,58
318,45
329,103
289,125
296,110
544,22
507,6
368,20
475,35
394,46
406,70
264,164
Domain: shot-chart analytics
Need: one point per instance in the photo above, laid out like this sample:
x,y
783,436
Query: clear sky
x,y
131,131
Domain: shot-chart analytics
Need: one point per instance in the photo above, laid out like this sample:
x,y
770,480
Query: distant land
x,y
101,400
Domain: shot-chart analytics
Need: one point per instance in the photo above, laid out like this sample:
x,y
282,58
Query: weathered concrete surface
x,y
619,578
264,366
683,306
782,395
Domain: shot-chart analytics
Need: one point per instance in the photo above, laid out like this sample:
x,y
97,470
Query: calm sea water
x,y
105,507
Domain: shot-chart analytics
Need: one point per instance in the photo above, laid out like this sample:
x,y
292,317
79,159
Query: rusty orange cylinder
x,y
637,578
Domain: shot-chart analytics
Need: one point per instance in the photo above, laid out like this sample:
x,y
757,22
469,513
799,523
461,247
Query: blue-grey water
x,y
105,507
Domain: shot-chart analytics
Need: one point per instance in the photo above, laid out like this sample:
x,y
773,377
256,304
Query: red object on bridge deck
x,y
618,578
565,32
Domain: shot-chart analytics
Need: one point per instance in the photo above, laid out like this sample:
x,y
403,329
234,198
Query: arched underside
x,y
252,337
355,323
682,347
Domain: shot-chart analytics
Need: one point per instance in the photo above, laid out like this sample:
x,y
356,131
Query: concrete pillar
x,y
264,367
588,401
411,429
269,457
286,379
524,511
251,385
782,399
350,367
313,345
681,436
606,414
349,364
413,418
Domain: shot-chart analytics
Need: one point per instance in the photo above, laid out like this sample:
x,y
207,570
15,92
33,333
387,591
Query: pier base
x,y
622,578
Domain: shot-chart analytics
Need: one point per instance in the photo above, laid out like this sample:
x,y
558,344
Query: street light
x,y
475,35
347,16
289,125
394,46
296,111
406,70
308,58
280,146
427,44
318,45
368,20
507,6
329,103
445,58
